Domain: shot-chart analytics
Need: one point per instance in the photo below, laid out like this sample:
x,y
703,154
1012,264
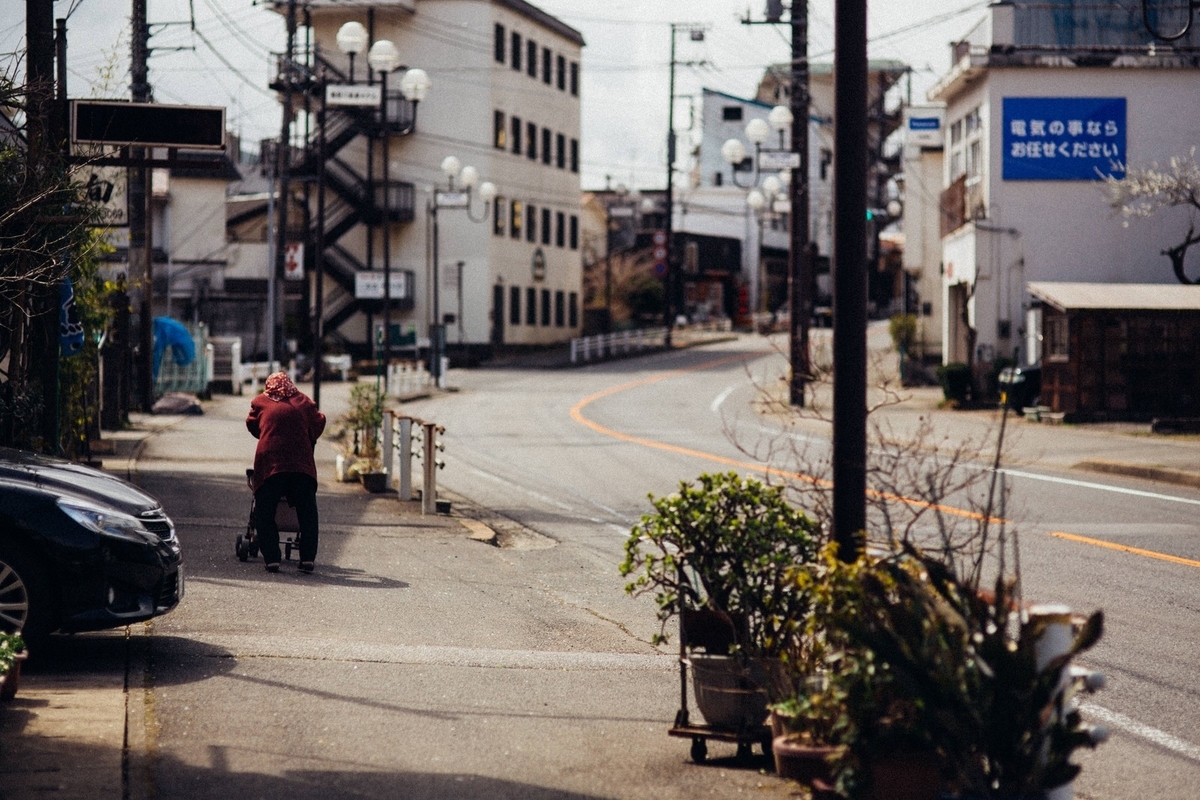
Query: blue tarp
x,y
172,333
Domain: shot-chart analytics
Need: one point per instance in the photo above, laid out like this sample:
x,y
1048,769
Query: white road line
x,y
1153,735
1100,486
721,398
1033,476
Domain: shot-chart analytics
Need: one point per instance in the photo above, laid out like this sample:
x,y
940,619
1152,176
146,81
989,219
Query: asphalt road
x,y
572,455
417,663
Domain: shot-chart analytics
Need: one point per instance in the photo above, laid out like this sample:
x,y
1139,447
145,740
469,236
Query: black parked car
x,y
80,549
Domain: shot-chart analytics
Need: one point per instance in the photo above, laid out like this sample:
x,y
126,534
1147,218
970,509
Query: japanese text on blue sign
x,y
1064,138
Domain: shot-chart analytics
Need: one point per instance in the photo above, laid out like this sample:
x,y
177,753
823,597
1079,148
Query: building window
x,y
515,212
514,305
1057,342
500,210
561,64
547,153
731,113
499,134
560,153
575,78
516,51
574,155
545,226
573,310
530,223
531,306
516,135
546,60
574,233
560,229
546,307
531,57
560,309
500,55
966,147
531,141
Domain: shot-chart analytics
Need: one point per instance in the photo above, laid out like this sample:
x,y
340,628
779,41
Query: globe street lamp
x,y
758,131
766,203
382,57
461,185
351,39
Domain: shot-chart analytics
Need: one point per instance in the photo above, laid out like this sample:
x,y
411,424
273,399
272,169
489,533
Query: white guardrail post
x,y
432,464
406,454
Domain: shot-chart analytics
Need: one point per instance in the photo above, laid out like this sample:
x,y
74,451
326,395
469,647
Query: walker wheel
x,y
242,550
699,750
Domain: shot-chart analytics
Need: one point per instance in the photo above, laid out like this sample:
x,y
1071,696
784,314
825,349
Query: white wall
x,y
1066,230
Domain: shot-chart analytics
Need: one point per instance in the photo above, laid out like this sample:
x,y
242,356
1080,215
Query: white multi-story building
x,y
1041,106
505,99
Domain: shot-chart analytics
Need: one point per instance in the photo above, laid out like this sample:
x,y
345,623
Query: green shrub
x,y
729,545
955,379
903,328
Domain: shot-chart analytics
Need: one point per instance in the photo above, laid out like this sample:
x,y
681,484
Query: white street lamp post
x,y
467,179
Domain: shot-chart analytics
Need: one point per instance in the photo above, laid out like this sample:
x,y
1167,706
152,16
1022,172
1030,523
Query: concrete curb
x,y
1148,472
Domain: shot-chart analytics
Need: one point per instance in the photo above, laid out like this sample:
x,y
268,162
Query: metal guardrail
x,y
611,345
400,433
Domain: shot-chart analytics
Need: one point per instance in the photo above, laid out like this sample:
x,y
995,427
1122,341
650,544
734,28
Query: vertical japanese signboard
x,y
1064,138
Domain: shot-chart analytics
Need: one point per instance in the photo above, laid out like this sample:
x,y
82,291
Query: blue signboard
x,y
1064,138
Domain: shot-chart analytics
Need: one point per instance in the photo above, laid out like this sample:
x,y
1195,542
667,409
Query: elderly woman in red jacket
x,y
287,425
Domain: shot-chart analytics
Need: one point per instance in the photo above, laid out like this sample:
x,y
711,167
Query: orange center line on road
x,y
1124,548
577,415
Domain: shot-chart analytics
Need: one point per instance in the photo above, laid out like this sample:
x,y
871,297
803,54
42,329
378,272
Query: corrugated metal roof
x,y
1106,296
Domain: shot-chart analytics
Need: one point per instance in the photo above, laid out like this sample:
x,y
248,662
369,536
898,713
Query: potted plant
x,y
718,555
940,684
12,653
364,420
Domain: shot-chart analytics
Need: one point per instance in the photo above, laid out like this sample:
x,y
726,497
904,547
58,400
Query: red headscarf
x,y
279,387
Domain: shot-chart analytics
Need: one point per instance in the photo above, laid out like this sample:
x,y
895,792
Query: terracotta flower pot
x,y
905,776
803,762
11,681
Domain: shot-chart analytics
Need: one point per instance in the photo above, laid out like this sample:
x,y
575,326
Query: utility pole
x,y
141,262
670,288
850,277
800,253
283,157
44,150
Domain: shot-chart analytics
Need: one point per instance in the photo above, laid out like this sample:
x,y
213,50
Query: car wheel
x,y
26,604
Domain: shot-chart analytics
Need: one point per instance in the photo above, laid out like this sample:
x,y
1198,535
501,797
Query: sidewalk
x,y
71,729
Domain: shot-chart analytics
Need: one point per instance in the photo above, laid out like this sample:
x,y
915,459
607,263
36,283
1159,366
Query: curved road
x,y
572,454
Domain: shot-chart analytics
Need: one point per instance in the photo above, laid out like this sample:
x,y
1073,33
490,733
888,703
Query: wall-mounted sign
x,y
369,285
105,188
539,265
293,261
923,127
1064,138
353,94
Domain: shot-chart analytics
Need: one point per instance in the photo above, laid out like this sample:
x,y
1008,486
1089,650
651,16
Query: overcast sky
x,y
224,60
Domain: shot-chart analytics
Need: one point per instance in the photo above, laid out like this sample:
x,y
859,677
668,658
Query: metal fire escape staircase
x,y
350,198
